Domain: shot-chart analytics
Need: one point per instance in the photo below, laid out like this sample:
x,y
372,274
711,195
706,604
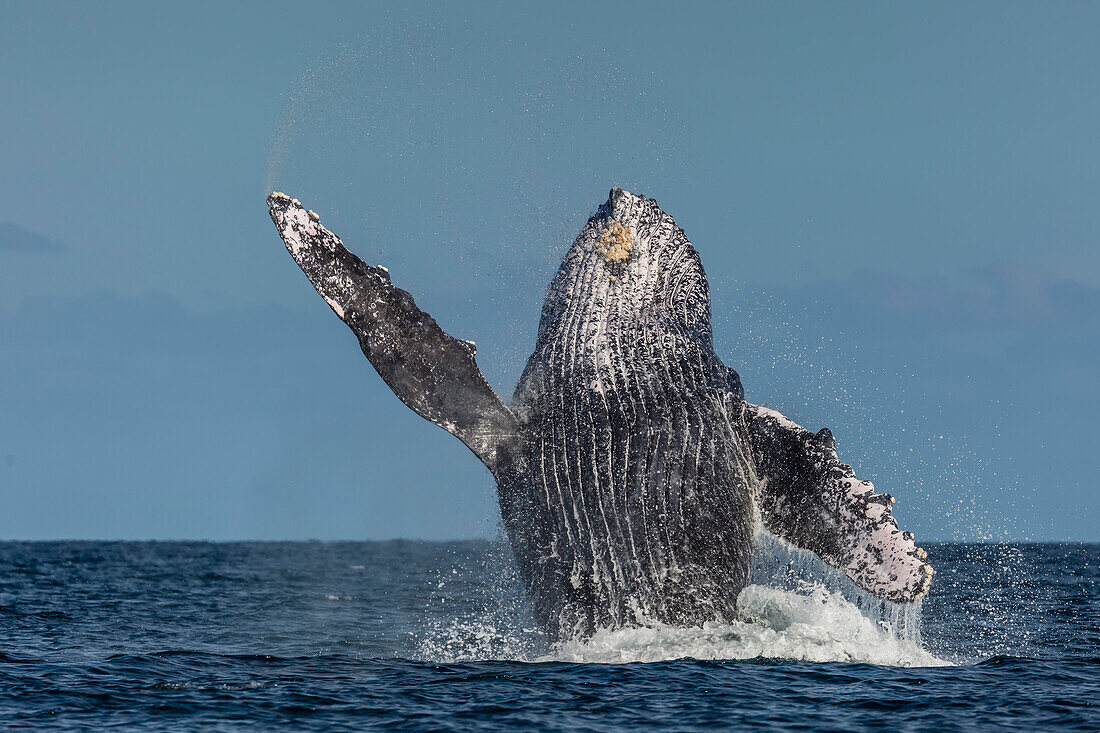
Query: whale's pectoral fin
x,y
430,371
812,500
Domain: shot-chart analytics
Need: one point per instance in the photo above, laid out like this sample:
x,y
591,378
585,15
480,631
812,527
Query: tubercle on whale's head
x,y
631,261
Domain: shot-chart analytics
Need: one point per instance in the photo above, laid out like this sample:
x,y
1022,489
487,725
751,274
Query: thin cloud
x,y
14,238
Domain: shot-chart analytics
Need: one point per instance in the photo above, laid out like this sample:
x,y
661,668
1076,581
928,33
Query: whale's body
x,y
631,472
635,461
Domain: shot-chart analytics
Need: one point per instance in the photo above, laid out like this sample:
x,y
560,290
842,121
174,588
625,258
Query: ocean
x,y
409,635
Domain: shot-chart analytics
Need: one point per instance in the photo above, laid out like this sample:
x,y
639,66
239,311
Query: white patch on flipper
x,y
335,306
303,235
296,228
778,417
299,228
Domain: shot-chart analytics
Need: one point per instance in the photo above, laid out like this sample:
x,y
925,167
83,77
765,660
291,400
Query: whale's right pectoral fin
x,y
430,371
810,499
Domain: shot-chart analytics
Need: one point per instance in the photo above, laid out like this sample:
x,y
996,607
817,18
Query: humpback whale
x,y
632,474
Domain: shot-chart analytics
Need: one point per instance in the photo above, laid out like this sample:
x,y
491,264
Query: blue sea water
x,y
436,636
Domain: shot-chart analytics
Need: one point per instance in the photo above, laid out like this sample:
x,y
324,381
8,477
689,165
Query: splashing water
x,y
820,627
795,608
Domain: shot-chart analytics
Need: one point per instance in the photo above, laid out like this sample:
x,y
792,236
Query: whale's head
x,y
630,270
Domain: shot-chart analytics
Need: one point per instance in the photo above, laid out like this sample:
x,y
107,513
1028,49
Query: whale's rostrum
x,y
631,472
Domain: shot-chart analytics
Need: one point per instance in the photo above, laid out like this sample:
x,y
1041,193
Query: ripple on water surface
x,y
436,636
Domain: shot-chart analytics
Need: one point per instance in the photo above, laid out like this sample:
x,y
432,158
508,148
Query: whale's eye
x,y
615,243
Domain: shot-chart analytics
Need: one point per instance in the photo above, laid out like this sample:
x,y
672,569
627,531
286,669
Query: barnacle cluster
x,y
615,243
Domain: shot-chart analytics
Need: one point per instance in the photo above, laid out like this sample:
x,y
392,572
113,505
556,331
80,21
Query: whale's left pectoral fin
x,y
812,500
432,372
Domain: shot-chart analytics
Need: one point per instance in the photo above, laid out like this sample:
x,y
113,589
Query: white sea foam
x,y
822,626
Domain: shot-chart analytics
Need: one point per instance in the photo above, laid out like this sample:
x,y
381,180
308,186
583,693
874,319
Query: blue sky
x,y
895,204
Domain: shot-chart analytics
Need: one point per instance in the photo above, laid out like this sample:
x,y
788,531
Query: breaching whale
x,y
632,474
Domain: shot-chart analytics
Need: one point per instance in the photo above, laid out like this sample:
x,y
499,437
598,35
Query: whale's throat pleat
x,y
641,470
635,451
